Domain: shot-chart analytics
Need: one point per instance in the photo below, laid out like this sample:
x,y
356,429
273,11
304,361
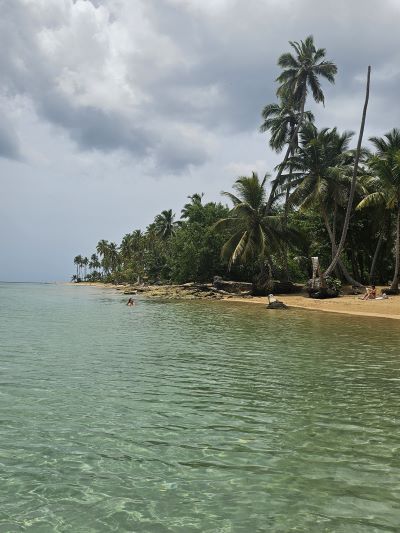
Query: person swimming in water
x,y
131,302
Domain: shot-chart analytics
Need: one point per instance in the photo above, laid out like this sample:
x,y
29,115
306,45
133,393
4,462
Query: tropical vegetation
x,y
327,199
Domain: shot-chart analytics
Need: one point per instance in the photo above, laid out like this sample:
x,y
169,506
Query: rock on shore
x,y
186,291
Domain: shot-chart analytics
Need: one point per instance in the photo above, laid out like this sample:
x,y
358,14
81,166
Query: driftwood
x,y
285,287
232,287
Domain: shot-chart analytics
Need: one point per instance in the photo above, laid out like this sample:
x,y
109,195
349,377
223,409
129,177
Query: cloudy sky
x,y
112,110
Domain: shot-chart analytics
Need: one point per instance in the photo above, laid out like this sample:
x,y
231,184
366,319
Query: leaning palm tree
x,y
165,225
254,234
353,186
301,74
386,166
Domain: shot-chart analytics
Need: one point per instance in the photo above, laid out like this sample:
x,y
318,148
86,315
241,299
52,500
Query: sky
x,y
113,110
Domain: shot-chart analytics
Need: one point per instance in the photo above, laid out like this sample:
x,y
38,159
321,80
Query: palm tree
x,y
127,247
94,265
301,73
85,262
193,205
254,234
281,120
78,261
113,256
94,262
102,250
165,225
386,166
322,165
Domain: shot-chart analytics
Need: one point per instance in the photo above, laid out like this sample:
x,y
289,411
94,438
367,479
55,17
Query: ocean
x,y
194,416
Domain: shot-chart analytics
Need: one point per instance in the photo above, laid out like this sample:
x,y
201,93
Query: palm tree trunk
x,y
353,183
395,283
263,279
290,147
285,223
334,225
375,258
342,267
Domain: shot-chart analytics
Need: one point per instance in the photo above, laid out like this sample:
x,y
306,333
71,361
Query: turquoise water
x,y
193,416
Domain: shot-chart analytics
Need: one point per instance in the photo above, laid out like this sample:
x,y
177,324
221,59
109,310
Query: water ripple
x,y
192,416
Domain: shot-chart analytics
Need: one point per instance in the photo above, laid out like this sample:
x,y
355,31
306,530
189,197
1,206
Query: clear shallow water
x,y
192,416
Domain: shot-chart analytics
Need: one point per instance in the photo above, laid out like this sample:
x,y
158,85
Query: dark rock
x,y
320,293
391,292
276,305
323,294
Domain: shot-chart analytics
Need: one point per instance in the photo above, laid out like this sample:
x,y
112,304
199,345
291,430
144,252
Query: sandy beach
x,y
346,304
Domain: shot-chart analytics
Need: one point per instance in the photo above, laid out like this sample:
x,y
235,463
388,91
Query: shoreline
x,y
344,305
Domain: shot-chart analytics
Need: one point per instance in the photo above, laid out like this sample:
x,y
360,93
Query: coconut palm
x,y
301,74
102,250
193,205
165,225
322,166
386,166
85,262
254,234
94,262
113,256
78,261
127,247
281,121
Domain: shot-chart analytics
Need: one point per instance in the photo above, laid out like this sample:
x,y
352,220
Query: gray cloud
x,y
122,108
9,143
131,74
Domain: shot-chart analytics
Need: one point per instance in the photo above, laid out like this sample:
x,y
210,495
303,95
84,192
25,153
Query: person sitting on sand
x,y
370,294
131,302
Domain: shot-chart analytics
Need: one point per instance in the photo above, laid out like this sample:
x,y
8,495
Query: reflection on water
x,y
192,416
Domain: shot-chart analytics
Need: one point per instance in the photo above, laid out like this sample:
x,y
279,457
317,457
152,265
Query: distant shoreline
x,y
347,304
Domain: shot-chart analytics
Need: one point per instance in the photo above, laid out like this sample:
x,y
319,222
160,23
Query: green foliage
x,y
260,238
333,283
195,250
